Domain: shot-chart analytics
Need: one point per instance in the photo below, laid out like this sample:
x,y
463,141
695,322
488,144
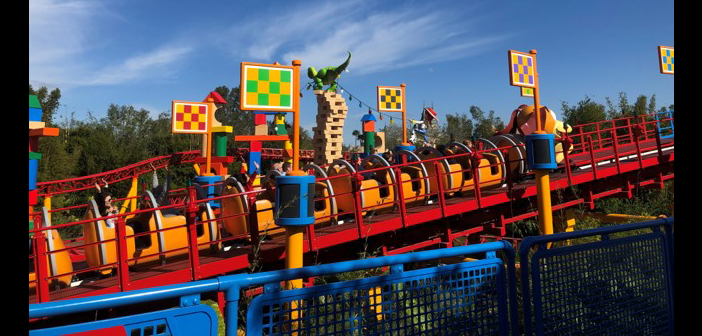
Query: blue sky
x,y
452,54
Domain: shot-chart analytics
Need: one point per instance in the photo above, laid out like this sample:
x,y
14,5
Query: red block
x,y
33,197
259,119
256,146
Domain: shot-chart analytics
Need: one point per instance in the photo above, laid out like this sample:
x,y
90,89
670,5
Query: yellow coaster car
x,y
151,236
58,264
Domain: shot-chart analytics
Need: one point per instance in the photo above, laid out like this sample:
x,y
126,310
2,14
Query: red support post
x,y
440,188
475,163
193,249
616,153
253,220
637,131
592,157
41,264
566,157
659,143
631,130
121,244
599,136
358,213
400,196
508,181
311,237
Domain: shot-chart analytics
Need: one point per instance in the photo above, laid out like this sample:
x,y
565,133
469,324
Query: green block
x,y
252,86
34,102
282,130
263,74
274,87
285,76
31,227
34,156
263,99
220,140
285,101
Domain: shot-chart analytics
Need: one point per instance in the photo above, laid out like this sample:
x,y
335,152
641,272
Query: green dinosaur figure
x,y
327,76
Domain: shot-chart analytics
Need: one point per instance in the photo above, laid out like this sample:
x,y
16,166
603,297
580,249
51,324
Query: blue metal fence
x,y
609,284
476,297
666,126
605,282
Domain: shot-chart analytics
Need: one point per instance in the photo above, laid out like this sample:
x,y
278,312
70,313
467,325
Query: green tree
x,y
485,127
585,111
458,127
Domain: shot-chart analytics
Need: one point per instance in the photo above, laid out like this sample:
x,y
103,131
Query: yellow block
x,y
223,129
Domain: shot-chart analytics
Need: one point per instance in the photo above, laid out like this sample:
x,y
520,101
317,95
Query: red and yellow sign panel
x,y
192,118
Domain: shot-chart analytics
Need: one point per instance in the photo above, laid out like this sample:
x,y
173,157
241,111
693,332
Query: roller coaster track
x,y
609,161
144,167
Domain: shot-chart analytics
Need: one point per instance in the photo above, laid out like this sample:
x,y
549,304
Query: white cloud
x,y
139,66
65,48
380,40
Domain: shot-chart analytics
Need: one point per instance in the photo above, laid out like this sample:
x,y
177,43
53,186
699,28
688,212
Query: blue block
x,y
401,147
254,157
33,166
34,114
210,190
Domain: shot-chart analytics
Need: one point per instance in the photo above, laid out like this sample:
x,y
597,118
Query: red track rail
x,y
144,167
624,157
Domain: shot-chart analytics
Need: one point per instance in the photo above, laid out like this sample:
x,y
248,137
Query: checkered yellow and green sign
x,y
666,56
390,99
267,88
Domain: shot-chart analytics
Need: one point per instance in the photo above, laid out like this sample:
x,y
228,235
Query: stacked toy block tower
x,y
37,129
329,133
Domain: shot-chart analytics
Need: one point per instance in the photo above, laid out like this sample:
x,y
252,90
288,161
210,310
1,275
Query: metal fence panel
x,y
461,299
611,286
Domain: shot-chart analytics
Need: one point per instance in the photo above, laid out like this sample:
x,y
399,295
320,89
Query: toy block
x,y
33,167
44,132
223,129
254,157
34,102
261,129
256,146
218,160
33,196
36,125
34,114
261,138
216,97
34,156
260,119
369,126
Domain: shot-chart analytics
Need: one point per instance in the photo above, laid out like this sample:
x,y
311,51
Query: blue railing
x,y
616,279
609,284
666,124
476,297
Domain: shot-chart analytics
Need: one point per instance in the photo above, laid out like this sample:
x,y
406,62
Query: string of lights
x,y
361,103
